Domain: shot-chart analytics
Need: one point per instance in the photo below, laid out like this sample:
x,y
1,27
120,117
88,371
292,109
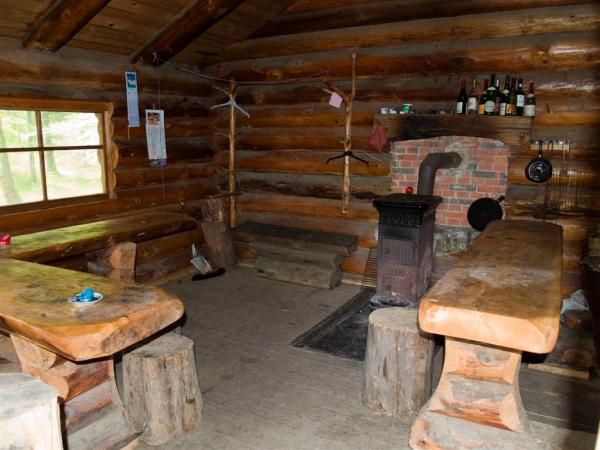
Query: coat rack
x,y
232,181
348,99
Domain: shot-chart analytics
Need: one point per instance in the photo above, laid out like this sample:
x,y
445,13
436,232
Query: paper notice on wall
x,y
155,135
133,110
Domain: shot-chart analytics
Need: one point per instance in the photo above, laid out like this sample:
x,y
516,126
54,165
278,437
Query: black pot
x,y
483,211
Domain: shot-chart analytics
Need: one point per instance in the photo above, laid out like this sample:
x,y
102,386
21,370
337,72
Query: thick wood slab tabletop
x,y
33,304
51,245
505,290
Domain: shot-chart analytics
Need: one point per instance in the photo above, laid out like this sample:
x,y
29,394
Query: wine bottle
x,y
490,97
511,106
461,101
481,106
529,109
505,97
472,101
520,97
498,97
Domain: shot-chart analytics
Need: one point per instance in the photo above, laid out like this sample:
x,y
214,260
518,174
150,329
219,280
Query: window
x,y
52,153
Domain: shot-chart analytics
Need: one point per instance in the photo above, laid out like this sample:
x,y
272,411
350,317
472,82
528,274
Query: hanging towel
x,y
378,138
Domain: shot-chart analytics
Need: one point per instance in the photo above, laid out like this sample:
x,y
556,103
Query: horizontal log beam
x,y
187,26
147,176
308,138
573,85
374,13
135,151
71,70
505,55
60,22
476,26
289,204
175,127
304,162
311,185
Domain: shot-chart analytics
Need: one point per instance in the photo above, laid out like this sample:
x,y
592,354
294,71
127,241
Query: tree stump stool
x,y
398,363
29,414
161,391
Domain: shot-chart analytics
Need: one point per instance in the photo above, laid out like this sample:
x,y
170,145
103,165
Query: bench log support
x,y
116,262
93,411
479,384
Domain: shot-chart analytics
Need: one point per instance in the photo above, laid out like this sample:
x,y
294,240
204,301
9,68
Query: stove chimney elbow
x,y
430,166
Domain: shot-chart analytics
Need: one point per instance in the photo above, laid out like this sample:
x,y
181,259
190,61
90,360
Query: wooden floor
x,y
259,392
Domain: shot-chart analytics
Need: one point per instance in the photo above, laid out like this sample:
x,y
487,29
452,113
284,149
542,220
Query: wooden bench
x,y
71,347
76,246
502,297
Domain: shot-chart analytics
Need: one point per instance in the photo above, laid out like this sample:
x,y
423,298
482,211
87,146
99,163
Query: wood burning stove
x,y
406,225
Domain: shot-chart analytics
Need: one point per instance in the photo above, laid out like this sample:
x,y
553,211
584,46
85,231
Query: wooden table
x,y
502,297
72,347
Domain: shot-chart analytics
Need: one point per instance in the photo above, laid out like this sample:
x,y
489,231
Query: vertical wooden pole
x,y
348,140
232,172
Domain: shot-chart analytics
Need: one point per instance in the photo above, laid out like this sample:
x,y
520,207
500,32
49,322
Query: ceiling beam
x,y
56,26
184,28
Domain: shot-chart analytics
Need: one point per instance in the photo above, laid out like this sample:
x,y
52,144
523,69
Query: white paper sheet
x,y
155,134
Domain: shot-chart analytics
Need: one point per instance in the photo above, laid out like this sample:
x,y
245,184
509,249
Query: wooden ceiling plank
x,y
58,24
184,28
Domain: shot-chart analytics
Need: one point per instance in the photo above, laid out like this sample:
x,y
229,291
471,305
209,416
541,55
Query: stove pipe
x,y
429,167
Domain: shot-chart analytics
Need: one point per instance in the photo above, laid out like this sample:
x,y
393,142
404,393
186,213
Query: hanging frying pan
x,y
539,170
483,211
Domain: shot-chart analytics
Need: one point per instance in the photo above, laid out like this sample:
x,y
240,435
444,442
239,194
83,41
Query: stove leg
x,y
93,414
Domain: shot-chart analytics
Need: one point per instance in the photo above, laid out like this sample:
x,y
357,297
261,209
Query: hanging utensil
x,y
539,170
483,211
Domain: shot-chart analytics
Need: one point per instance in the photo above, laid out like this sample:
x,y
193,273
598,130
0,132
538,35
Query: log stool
x,y
161,390
29,414
398,363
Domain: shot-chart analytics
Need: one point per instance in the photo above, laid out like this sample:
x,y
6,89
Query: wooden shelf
x,y
512,130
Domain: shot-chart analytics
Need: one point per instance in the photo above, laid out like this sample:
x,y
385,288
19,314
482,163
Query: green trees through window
x,y
50,155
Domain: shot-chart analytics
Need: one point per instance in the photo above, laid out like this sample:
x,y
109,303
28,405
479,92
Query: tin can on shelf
x,y
408,108
384,110
394,110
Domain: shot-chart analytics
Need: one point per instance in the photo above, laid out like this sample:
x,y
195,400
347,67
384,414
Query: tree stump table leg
x,y
94,414
477,401
161,388
398,363
29,414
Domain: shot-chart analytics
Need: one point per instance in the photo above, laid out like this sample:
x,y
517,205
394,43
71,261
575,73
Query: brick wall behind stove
x,y
482,175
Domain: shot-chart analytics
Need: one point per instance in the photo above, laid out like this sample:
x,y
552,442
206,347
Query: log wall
x,y
79,74
413,51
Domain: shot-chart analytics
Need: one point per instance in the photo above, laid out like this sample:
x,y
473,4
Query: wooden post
x,y
29,414
348,100
232,168
161,388
116,262
398,363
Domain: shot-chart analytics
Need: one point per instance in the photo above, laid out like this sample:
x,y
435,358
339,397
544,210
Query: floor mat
x,y
344,332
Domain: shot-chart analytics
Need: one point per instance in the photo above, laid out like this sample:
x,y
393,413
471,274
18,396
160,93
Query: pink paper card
x,y
335,100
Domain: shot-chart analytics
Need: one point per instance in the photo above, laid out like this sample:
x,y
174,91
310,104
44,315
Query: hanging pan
x,y
539,170
483,211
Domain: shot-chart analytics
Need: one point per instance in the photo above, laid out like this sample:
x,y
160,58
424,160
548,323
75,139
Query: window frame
x,y
103,109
